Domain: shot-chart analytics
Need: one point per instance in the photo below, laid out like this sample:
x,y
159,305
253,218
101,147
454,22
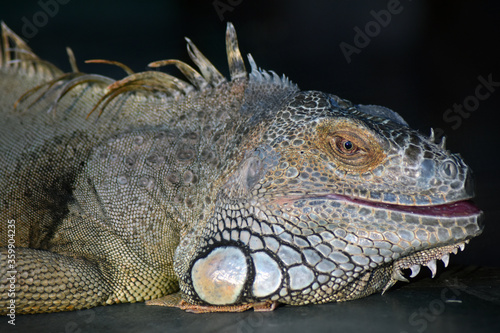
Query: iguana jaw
x,y
391,272
427,257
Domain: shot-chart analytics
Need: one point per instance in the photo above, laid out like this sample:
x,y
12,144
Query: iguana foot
x,y
176,301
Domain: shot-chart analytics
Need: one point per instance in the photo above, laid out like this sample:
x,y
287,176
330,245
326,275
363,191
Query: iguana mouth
x,y
462,208
427,258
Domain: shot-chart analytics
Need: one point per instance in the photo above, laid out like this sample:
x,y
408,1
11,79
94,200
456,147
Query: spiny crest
x,y
234,59
259,75
207,76
15,54
65,83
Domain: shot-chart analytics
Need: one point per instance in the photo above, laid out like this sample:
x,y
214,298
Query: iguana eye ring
x,y
350,145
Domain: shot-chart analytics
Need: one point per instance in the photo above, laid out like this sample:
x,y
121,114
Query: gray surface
x,y
461,299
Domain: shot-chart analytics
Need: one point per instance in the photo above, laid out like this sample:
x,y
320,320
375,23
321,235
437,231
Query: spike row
x,y
432,138
208,75
431,264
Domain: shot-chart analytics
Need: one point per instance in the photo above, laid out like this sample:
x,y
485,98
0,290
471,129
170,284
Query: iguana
x,y
211,194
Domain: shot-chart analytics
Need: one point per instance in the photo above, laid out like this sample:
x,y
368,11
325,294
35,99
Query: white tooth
x,y
455,251
432,266
415,269
446,259
467,241
442,144
432,137
462,246
398,276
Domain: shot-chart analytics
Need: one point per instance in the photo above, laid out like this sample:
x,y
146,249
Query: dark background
x,y
425,60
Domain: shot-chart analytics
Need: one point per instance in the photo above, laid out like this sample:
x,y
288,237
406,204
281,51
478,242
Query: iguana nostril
x,y
448,169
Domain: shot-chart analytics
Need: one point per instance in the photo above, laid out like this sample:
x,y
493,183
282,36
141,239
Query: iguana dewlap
x,y
241,193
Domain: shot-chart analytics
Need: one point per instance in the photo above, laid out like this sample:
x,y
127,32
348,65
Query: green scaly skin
x,y
235,192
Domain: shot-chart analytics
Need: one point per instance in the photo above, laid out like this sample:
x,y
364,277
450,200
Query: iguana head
x,y
329,201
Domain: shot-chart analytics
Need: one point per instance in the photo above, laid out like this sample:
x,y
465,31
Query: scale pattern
x,y
235,192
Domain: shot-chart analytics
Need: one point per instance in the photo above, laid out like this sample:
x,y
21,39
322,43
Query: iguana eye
x,y
351,145
346,146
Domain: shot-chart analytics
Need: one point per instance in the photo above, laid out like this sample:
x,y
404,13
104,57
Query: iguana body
x,y
246,191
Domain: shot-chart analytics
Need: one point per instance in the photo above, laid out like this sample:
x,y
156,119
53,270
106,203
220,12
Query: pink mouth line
x,y
463,208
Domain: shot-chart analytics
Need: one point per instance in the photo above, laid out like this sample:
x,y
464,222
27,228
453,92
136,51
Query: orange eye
x,y
350,149
351,145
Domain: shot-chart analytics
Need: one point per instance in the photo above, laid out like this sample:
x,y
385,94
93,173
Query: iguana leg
x,y
49,282
176,301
